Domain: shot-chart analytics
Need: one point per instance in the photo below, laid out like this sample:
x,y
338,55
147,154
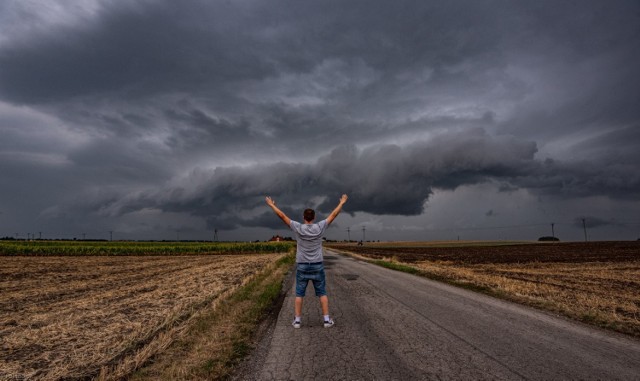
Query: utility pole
x,y
553,233
349,233
584,226
40,233
363,229
83,235
215,235
178,235
110,235
28,236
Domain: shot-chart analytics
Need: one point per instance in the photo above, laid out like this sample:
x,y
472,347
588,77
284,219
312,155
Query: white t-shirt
x,y
309,237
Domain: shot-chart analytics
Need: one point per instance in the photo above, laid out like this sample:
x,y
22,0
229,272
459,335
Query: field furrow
x,y
66,317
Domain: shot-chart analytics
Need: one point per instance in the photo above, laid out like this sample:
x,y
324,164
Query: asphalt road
x,y
396,326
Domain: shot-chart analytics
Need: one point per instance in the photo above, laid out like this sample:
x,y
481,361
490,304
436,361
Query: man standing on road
x,y
309,261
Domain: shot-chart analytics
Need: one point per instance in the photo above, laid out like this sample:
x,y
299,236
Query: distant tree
x,y
548,238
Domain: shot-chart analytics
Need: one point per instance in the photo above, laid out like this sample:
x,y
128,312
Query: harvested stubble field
x,y
595,282
79,317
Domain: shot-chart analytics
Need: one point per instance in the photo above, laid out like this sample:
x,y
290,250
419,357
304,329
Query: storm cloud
x,y
382,180
113,114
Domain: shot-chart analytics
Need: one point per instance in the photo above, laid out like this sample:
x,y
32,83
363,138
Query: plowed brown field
x,y
595,282
68,317
569,252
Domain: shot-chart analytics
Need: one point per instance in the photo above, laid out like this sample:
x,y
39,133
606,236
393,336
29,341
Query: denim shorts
x,y
310,272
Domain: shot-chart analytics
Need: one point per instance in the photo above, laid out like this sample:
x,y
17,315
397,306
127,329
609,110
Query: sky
x,y
442,120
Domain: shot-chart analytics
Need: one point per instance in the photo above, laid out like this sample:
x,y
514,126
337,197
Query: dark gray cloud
x,y
383,179
136,107
584,178
615,147
592,222
136,48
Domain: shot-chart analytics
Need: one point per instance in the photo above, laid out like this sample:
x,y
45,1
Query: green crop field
x,y
45,248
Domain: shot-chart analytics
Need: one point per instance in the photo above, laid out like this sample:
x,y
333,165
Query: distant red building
x,y
277,238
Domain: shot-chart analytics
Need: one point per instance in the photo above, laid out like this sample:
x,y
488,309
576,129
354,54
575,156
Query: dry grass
x,y
75,317
215,341
606,294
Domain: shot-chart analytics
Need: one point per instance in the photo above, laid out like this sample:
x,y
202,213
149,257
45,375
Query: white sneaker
x,y
297,324
329,323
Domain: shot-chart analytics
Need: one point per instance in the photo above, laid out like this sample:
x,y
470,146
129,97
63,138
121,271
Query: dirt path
x,y
392,325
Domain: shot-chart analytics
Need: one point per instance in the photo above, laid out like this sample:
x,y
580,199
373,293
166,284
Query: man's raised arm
x,y
279,212
337,210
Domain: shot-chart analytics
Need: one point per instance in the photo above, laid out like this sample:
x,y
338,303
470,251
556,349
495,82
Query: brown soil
x,y
569,252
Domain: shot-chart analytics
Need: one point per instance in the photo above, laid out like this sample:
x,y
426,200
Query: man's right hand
x,y
279,212
343,199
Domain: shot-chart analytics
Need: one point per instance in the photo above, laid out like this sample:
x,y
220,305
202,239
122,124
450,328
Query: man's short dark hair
x,y
309,215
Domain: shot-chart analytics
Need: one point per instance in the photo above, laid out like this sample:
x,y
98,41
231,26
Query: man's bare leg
x,y
324,302
298,305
